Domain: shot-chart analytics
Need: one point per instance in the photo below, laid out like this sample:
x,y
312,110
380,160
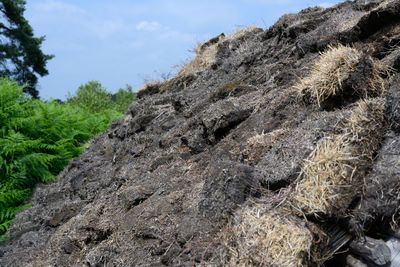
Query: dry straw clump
x,y
262,237
205,56
366,124
328,73
334,173
330,76
328,178
206,53
242,32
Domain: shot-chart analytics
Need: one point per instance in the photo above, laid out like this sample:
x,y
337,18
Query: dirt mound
x,y
210,166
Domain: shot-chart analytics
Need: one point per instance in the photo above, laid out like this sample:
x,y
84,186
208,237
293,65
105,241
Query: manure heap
x,y
277,147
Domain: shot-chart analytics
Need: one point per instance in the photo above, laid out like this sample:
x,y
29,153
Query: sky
x,y
119,42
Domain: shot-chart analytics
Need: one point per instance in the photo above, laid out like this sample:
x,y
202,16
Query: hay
x,y
328,182
334,174
206,52
242,32
262,237
205,57
329,76
366,124
328,73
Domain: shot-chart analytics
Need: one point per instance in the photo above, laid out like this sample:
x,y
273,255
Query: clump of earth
x,y
165,185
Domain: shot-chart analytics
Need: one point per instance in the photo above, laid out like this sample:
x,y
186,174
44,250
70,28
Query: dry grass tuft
x,y
241,32
265,237
341,73
376,83
205,56
366,125
334,174
328,74
328,182
206,52
148,85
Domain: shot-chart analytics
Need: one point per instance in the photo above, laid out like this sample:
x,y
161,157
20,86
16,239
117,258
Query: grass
x,y
327,178
206,52
256,146
205,57
260,236
329,72
333,175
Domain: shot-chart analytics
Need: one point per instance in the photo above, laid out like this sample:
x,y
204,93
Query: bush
x,y
37,140
91,97
94,98
123,98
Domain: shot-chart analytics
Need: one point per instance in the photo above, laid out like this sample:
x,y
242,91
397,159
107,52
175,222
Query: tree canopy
x,y
21,57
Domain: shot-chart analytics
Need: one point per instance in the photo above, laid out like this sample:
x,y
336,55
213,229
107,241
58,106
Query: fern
x,y
37,140
7,217
13,197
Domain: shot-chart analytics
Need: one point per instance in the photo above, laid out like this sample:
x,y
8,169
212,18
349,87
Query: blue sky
x,y
119,42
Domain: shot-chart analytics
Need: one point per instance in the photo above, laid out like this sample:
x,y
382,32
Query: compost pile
x,y
277,147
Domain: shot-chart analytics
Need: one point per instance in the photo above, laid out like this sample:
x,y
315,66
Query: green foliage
x,y
37,140
123,98
21,57
93,97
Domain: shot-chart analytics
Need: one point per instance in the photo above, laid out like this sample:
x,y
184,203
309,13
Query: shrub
x,y
92,97
123,99
37,140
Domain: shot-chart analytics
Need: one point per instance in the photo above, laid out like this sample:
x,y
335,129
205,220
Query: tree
x,y
92,97
123,98
21,57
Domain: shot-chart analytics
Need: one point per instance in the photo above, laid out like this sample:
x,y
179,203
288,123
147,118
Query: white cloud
x,y
326,4
149,26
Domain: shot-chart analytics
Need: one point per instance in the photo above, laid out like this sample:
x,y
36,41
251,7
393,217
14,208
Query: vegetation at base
x,y
93,97
37,140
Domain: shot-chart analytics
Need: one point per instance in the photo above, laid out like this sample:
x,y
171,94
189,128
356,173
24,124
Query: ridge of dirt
x,y
159,186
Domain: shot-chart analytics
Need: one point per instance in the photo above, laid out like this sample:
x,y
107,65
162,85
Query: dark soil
x,y
160,184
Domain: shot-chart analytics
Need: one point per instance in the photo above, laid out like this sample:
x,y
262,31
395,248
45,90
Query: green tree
x,y
21,57
92,97
123,98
